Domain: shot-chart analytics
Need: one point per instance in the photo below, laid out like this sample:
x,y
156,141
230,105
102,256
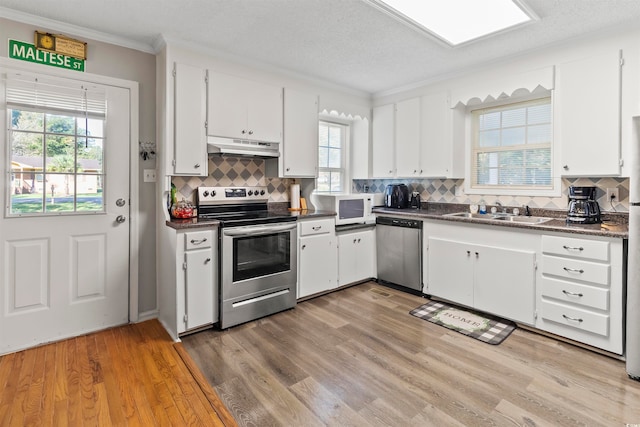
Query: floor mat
x,y
483,327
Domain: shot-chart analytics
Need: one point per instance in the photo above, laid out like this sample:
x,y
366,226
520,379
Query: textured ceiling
x,y
345,42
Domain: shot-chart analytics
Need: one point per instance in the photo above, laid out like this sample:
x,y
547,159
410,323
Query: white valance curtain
x,y
344,110
501,86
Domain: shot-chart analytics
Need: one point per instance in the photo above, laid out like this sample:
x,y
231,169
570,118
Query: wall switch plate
x,y
612,192
149,175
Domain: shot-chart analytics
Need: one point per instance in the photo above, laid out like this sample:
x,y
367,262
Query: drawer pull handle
x,y
571,248
575,319
573,270
573,294
207,261
316,228
198,242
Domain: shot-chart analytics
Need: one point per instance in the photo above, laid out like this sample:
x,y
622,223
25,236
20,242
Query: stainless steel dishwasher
x,y
399,252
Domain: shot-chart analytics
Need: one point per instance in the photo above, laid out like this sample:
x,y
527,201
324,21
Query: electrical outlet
x,y
612,194
149,175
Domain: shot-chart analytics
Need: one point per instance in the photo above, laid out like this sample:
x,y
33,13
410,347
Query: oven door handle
x,y
257,230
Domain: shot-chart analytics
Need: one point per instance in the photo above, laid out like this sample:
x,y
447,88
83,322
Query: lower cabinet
x,y
356,255
581,290
498,278
197,291
317,256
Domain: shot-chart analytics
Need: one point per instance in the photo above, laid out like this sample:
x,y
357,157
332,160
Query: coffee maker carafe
x,y
583,208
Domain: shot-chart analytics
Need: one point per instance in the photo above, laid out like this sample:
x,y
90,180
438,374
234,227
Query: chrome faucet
x,y
504,210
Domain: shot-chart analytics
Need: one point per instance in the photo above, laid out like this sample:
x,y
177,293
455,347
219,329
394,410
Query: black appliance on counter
x,y
415,200
583,207
396,196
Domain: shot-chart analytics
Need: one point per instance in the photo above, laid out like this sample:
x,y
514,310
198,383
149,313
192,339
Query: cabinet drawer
x,y
575,318
575,293
198,240
573,269
576,248
321,226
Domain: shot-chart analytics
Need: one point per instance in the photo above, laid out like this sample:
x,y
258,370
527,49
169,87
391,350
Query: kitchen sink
x,y
501,217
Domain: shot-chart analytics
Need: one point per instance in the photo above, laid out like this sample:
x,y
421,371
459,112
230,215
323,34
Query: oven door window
x,y
257,256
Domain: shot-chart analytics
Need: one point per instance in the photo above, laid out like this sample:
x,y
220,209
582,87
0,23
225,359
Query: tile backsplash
x,y
234,172
249,171
445,190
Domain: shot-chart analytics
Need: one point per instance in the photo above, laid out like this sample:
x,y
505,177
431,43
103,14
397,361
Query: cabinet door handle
x,y
575,319
316,228
477,254
303,246
572,248
197,165
250,132
565,167
468,253
207,261
573,294
243,131
198,242
572,270
355,240
358,240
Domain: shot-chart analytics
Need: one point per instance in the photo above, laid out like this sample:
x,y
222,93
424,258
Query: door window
x,y
56,143
257,256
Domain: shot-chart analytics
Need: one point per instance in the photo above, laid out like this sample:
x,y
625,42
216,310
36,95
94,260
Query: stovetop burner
x,y
238,206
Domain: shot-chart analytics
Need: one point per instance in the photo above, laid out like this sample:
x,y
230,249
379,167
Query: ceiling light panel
x,y
458,21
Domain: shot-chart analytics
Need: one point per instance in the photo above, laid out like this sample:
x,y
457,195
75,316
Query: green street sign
x,y
28,52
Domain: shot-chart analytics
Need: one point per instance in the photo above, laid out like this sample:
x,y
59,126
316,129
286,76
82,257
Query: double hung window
x,y
512,147
332,148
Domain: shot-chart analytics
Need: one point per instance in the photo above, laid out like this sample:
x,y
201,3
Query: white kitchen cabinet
x,y
383,141
317,257
190,106
407,138
243,109
442,150
356,255
299,149
196,281
587,115
498,278
581,290
360,150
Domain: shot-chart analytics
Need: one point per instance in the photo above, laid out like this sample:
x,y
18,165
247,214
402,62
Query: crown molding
x,y
75,30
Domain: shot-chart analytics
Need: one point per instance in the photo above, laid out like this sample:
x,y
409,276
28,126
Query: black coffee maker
x,y
583,208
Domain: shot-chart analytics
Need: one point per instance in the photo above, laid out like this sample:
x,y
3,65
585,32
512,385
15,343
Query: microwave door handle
x,y
253,231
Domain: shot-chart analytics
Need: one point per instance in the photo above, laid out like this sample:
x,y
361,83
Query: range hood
x,y
242,147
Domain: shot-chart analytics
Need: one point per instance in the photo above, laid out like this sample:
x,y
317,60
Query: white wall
x,y
128,64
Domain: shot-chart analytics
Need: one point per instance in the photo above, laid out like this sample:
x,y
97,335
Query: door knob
x,y
120,203
120,219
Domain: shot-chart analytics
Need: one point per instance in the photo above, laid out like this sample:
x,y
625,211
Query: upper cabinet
x,y
383,128
190,106
299,150
415,138
587,115
243,109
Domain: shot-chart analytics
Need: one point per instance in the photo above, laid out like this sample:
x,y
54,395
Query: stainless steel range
x,y
257,253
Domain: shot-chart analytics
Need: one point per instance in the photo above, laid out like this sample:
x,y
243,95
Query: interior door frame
x,y
134,167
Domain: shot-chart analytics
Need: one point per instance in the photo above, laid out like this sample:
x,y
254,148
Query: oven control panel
x,y
217,195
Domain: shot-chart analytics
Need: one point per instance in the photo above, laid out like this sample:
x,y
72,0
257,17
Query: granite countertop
x,y
613,224
180,224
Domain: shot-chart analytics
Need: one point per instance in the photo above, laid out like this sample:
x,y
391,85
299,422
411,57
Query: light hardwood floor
x,y
356,357
130,375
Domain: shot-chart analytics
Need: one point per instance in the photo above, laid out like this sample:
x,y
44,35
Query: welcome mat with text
x,y
483,327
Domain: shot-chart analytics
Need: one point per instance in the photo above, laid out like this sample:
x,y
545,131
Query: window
x,y
56,150
332,145
512,147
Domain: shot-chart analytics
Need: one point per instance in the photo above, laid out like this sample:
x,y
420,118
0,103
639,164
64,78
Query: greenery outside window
x,y
332,145
512,147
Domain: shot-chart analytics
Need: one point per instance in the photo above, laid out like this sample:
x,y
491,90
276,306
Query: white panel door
x,y
65,275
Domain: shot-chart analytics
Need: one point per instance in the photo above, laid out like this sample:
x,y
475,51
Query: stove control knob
x,y
213,193
205,193
262,192
251,192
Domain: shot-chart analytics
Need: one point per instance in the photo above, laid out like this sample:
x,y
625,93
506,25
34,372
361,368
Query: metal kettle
x,y
415,200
